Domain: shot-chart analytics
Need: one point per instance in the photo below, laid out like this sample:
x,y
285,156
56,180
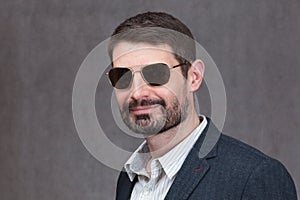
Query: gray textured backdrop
x,y
254,43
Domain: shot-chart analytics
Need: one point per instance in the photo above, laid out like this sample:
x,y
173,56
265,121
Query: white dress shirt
x,y
163,169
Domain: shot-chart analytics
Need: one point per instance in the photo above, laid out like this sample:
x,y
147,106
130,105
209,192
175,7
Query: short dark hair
x,y
157,28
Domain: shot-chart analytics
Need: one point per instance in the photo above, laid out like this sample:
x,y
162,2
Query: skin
x,y
136,55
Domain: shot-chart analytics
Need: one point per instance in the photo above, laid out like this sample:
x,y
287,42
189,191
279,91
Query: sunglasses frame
x,y
140,71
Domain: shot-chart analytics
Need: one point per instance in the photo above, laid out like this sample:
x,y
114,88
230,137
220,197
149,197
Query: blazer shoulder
x,y
243,157
236,149
265,176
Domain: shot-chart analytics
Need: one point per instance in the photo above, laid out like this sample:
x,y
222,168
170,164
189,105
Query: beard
x,y
161,118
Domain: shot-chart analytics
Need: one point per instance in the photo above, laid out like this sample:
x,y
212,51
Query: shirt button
x,y
146,192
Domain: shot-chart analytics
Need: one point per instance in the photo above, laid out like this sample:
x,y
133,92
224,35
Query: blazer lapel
x,y
124,186
188,178
195,166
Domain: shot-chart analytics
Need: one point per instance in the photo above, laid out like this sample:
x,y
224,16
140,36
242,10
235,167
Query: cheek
x,y
173,95
176,87
121,98
177,81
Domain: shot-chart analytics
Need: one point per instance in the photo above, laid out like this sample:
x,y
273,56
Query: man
x,y
155,73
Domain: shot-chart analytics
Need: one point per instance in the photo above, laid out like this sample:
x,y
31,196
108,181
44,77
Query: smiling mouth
x,y
141,110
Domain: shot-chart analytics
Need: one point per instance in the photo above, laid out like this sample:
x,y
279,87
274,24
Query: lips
x,y
140,110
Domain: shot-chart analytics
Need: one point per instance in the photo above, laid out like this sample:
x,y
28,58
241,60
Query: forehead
x,y
130,54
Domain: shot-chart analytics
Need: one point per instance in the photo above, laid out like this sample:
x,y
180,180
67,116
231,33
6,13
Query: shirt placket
x,y
149,187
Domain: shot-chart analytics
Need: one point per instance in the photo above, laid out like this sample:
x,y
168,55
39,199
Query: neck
x,y
161,143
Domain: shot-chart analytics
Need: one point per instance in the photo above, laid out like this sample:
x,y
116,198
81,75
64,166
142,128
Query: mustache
x,y
145,102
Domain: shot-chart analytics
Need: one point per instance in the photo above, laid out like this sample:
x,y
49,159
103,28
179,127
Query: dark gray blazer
x,y
231,170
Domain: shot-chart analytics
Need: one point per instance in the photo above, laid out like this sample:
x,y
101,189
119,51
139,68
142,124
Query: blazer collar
x,y
195,166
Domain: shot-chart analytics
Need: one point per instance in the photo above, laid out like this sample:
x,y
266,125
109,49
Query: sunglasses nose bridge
x,y
138,79
139,88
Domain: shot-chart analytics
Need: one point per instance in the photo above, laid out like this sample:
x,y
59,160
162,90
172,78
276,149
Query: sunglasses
x,y
155,75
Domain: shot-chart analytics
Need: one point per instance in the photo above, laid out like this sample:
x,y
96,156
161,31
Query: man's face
x,y
150,109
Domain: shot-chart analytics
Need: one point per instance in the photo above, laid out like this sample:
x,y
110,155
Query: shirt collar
x,y
135,165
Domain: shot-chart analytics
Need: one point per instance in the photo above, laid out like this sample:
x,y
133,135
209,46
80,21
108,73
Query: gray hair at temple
x,y
157,28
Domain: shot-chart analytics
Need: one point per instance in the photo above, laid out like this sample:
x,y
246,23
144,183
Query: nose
x,y
139,87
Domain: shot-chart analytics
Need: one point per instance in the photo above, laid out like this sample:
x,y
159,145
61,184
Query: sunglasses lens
x,y
156,74
120,78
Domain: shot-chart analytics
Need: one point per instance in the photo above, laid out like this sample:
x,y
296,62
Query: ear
x,y
195,74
